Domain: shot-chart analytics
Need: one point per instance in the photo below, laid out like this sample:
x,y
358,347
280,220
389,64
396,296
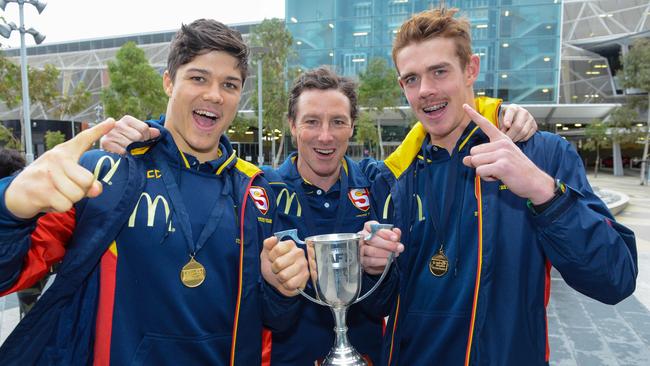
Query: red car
x,y
608,162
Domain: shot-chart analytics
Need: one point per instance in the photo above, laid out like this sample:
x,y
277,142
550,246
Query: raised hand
x,y
284,266
375,252
517,123
56,181
501,159
127,130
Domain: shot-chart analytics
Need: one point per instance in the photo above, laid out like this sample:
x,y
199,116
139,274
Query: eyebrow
x,y
315,116
429,68
206,72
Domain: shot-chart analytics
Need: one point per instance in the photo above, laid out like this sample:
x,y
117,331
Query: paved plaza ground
x,y
581,331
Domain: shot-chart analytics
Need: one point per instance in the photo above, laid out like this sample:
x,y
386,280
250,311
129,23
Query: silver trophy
x,y
336,272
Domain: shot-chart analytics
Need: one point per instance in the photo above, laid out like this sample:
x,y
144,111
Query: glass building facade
x,y
518,41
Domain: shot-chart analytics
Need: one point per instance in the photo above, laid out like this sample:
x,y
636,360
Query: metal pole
x,y
29,153
260,154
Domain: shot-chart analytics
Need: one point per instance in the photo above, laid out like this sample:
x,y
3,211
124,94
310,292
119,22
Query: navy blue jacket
x,y
312,336
60,330
515,250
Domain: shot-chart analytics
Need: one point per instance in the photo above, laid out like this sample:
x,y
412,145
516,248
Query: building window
x,y
354,63
362,13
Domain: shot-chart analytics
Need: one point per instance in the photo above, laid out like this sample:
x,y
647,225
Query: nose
x,y
213,94
428,87
325,133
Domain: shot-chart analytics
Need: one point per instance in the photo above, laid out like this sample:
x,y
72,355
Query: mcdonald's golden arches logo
x,y
152,206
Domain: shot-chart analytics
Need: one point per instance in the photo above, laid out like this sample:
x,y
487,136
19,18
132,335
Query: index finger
x,y
486,126
86,138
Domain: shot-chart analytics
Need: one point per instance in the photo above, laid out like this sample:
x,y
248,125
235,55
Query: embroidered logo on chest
x,y
360,198
261,200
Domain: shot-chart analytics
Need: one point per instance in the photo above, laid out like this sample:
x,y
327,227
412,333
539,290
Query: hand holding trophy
x,y
336,274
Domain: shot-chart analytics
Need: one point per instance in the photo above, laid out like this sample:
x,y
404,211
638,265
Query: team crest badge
x,y
360,198
258,194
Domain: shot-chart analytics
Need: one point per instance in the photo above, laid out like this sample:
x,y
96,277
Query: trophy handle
x,y
293,234
373,230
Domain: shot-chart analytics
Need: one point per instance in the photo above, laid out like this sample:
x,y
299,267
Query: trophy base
x,y
344,356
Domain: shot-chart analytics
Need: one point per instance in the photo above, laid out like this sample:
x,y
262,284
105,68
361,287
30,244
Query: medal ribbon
x,y
178,206
440,219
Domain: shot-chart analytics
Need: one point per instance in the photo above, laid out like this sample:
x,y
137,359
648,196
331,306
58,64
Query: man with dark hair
x,y
322,191
161,247
482,219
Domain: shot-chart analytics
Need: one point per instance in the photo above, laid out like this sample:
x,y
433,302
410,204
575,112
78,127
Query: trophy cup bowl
x,y
336,275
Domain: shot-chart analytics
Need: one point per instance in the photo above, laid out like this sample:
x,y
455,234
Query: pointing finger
x,y
486,126
86,138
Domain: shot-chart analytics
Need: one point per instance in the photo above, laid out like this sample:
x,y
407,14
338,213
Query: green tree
x,y
378,90
275,39
8,140
53,138
616,131
365,131
636,74
136,87
74,102
42,86
596,133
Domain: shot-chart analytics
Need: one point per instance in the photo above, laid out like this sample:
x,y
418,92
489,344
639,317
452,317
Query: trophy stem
x,y
342,353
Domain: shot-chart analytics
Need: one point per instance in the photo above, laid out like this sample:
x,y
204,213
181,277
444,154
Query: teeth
x,y
206,114
434,107
322,151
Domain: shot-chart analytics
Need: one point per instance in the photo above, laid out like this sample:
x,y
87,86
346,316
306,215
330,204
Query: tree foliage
x,y
273,36
636,74
365,130
42,84
8,140
74,102
53,138
378,90
136,87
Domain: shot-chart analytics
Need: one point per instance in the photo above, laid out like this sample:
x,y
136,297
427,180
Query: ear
x,y
472,69
168,83
292,126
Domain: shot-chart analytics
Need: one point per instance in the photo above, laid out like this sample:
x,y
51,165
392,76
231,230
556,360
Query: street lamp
x,y
5,31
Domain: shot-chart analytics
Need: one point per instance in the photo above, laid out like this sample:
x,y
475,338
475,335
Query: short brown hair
x,y
439,22
323,78
203,36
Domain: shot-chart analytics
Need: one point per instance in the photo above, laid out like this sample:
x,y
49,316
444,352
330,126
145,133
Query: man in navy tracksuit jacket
x,y
483,219
163,266
321,191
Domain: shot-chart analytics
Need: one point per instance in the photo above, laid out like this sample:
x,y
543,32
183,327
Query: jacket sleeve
x,y
29,248
595,255
278,311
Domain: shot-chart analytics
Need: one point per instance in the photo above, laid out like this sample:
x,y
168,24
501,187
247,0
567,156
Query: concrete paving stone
x,y
593,359
561,349
616,330
586,340
640,323
571,312
629,354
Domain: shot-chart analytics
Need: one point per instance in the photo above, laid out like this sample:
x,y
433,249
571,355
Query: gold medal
x,y
193,273
439,264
